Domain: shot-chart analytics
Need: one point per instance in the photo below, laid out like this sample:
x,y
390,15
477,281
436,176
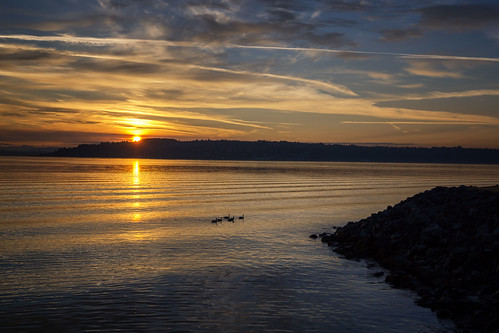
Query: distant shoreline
x,y
278,151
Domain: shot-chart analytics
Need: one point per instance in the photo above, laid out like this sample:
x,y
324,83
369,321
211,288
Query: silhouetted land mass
x,y
25,151
277,151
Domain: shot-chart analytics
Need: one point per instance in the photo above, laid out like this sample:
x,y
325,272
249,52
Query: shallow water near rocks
x,y
123,244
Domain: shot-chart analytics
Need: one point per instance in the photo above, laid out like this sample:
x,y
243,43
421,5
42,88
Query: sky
x,y
410,73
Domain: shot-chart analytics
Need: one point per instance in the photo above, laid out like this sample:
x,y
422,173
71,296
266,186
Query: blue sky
x,y
421,73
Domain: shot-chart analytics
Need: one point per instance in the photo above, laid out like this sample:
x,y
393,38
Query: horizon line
x,y
9,147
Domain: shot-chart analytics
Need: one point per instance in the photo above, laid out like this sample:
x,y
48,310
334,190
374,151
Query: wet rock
x,y
443,244
313,236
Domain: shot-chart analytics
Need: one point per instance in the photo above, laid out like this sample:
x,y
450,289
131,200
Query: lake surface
x,y
128,245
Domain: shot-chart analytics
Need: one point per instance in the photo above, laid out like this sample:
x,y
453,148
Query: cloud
x,y
210,28
282,14
185,68
368,53
392,35
141,81
398,128
188,44
334,88
477,102
345,5
453,94
353,56
460,17
393,123
133,65
115,66
16,55
434,69
411,86
55,137
371,74
77,23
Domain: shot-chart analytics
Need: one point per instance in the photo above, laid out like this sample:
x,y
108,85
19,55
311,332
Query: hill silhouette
x,y
278,151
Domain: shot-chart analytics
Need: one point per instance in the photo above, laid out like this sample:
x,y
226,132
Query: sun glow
x,y
136,138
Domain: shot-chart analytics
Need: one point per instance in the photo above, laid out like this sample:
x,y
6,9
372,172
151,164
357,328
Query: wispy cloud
x,y
393,123
149,63
128,41
335,88
440,94
64,38
433,69
375,53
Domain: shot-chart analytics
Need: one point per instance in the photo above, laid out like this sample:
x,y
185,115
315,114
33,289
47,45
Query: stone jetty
x,y
443,244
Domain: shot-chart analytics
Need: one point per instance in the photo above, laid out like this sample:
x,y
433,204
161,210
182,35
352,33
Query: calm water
x,y
128,245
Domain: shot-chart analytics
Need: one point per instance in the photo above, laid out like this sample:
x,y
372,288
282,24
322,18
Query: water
x,y
128,245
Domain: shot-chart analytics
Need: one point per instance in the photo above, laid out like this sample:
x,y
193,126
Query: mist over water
x,y
123,244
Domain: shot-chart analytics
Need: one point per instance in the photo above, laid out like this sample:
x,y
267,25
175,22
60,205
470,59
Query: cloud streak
x,y
125,41
440,94
373,53
335,88
393,123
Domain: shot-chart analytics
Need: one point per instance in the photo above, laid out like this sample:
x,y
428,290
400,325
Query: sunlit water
x,y
128,245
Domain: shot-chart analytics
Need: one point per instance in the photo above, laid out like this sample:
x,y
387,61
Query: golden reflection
x,y
136,182
136,173
137,236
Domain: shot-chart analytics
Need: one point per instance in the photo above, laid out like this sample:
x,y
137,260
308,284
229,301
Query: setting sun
x,y
136,138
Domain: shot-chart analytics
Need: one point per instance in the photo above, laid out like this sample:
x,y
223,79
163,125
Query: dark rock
x,y
313,236
443,244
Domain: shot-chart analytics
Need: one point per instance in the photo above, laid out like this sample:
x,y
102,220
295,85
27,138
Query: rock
x,y
443,244
313,236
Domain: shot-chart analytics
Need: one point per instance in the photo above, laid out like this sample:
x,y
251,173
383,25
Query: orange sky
x,y
95,71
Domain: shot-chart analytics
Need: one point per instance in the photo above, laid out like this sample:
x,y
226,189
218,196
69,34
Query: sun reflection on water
x,y
136,182
136,173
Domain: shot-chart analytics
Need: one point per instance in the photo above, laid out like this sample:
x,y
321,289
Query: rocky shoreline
x,y
443,244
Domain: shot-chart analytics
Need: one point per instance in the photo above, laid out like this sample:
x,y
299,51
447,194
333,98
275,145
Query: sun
x,y
136,138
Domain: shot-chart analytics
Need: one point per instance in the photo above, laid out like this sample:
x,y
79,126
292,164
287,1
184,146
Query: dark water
x,y
128,245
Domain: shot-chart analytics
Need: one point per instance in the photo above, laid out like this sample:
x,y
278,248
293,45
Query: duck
x,y
241,217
